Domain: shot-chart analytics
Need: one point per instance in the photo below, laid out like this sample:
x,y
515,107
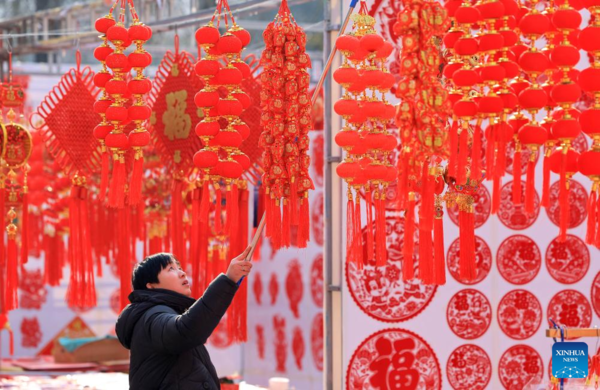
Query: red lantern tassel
x,y
496,184
439,270
380,236
89,291
11,297
233,210
203,255
408,271
350,230
218,205
425,259
453,158
269,202
463,154
75,256
597,238
591,222
563,198
2,194
517,191
205,202
135,184
490,151
370,227
425,210
304,227
402,179
116,196
276,237
243,217
285,224
467,265
293,200
530,185
195,241
476,154
546,178
104,175
25,229
358,235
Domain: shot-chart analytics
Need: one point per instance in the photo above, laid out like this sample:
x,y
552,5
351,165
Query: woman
x,y
166,329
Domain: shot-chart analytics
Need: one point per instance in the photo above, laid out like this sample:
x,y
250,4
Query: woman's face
x,y
173,278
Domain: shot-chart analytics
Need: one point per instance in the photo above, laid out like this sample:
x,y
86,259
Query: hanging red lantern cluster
x,y
122,107
365,136
286,120
589,80
421,118
220,161
221,130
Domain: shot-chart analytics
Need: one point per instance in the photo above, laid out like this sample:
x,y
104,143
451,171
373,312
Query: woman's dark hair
x,y
147,271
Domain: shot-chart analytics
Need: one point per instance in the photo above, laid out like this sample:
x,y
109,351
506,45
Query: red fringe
x,y
276,237
546,182
517,191
381,230
597,238
135,184
293,201
89,287
2,195
205,202
591,222
269,216
490,151
408,271
530,187
285,224
476,154
370,227
350,230
425,259
496,184
358,235
468,267
218,206
123,256
500,167
425,209
25,230
439,270
194,243
104,176
403,180
233,210
177,230
11,296
116,196
463,154
453,158
243,217
563,198
203,248
304,227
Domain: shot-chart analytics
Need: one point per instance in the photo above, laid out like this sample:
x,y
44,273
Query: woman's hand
x,y
239,267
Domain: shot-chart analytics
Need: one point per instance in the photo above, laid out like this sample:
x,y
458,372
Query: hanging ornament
x,y
67,126
286,120
122,107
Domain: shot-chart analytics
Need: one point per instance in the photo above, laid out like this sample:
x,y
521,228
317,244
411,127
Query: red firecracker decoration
x,y
286,121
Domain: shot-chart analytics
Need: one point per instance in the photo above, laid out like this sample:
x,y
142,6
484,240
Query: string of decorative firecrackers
x,y
421,118
220,162
286,120
122,104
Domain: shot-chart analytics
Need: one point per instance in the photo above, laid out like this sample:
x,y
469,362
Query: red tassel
x,y
25,229
293,200
408,272
195,241
453,158
402,179
439,270
116,196
381,257
476,154
276,237
425,215
496,184
218,205
546,178
370,227
467,265
304,227
11,297
463,154
563,197
243,216
269,216
104,175
591,222
135,184
500,167
232,209
530,185
358,235
425,259
205,202
285,224
490,150
517,191
350,230
3,218
597,238
11,342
